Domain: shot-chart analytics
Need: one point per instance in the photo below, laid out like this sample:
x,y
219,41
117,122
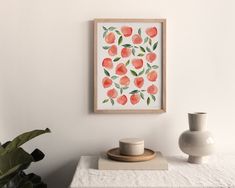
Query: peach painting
x,y
128,65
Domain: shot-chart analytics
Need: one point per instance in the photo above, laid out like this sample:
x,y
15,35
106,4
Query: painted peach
x,y
126,52
152,89
137,39
122,99
125,81
107,63
152,31
112,50
135,98
121,69
152,76
110,38
126,31
139,82
112,93
150,57
107,82
137,63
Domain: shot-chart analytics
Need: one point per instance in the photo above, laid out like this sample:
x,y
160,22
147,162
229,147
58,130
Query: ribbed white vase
x,y
197,141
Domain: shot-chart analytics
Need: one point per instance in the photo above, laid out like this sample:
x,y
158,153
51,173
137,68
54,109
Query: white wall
x,y
46,57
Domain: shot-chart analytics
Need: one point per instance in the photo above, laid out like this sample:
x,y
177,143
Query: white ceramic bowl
x,y
131,146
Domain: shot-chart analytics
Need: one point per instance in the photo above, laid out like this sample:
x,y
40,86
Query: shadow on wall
x,y
62,176
90,74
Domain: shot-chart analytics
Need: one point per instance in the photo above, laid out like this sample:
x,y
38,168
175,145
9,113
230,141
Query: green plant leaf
x,y
112,101
120,40
21,139
125,87
142,49
141,72
146,40
106,72
133,51
116,59
117,85
134,91
140,55
150,41
149,66
111,28
128,62
136,47
126,45
142,95
106,100
143,90
155,67
118,32
106,47
139,31
155,45
105,33
153,97
133,73
105,28
148,49
148,101
121,91
114,77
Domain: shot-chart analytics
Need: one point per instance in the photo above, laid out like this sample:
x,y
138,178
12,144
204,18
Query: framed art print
x,y
129,65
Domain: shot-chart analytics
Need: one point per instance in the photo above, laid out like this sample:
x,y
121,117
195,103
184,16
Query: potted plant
x,y
14,160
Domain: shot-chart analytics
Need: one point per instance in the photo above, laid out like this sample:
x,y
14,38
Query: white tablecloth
x,y
219,171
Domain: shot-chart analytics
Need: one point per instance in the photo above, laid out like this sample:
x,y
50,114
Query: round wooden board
x,y
114,154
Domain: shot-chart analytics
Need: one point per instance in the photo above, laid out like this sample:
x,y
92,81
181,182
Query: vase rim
x,y
197,113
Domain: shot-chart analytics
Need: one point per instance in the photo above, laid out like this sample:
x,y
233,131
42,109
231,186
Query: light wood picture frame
x,y
129,65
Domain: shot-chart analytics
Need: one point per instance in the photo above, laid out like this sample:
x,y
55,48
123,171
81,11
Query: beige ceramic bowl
x,y
131,146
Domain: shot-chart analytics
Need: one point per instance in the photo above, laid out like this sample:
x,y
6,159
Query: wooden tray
x,y
114,154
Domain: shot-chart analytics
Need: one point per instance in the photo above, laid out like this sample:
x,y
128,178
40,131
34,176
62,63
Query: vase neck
x,y
197,121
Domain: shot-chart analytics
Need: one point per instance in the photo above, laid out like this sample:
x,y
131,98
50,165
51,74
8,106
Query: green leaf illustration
x,y
141,72
128,62
147,71
116,59
111,28
114,77
148,101
140,55
104,34
139,31
106,72
117,85
150,41
143,90
153,97
106,100
134,73
112,101
121,91
105,28
146,40
148,65
125,88
134,91
133,51
155,67
106,47
136,47
155,45
148,49
142,49
142,95
120,40
118,32
126,45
